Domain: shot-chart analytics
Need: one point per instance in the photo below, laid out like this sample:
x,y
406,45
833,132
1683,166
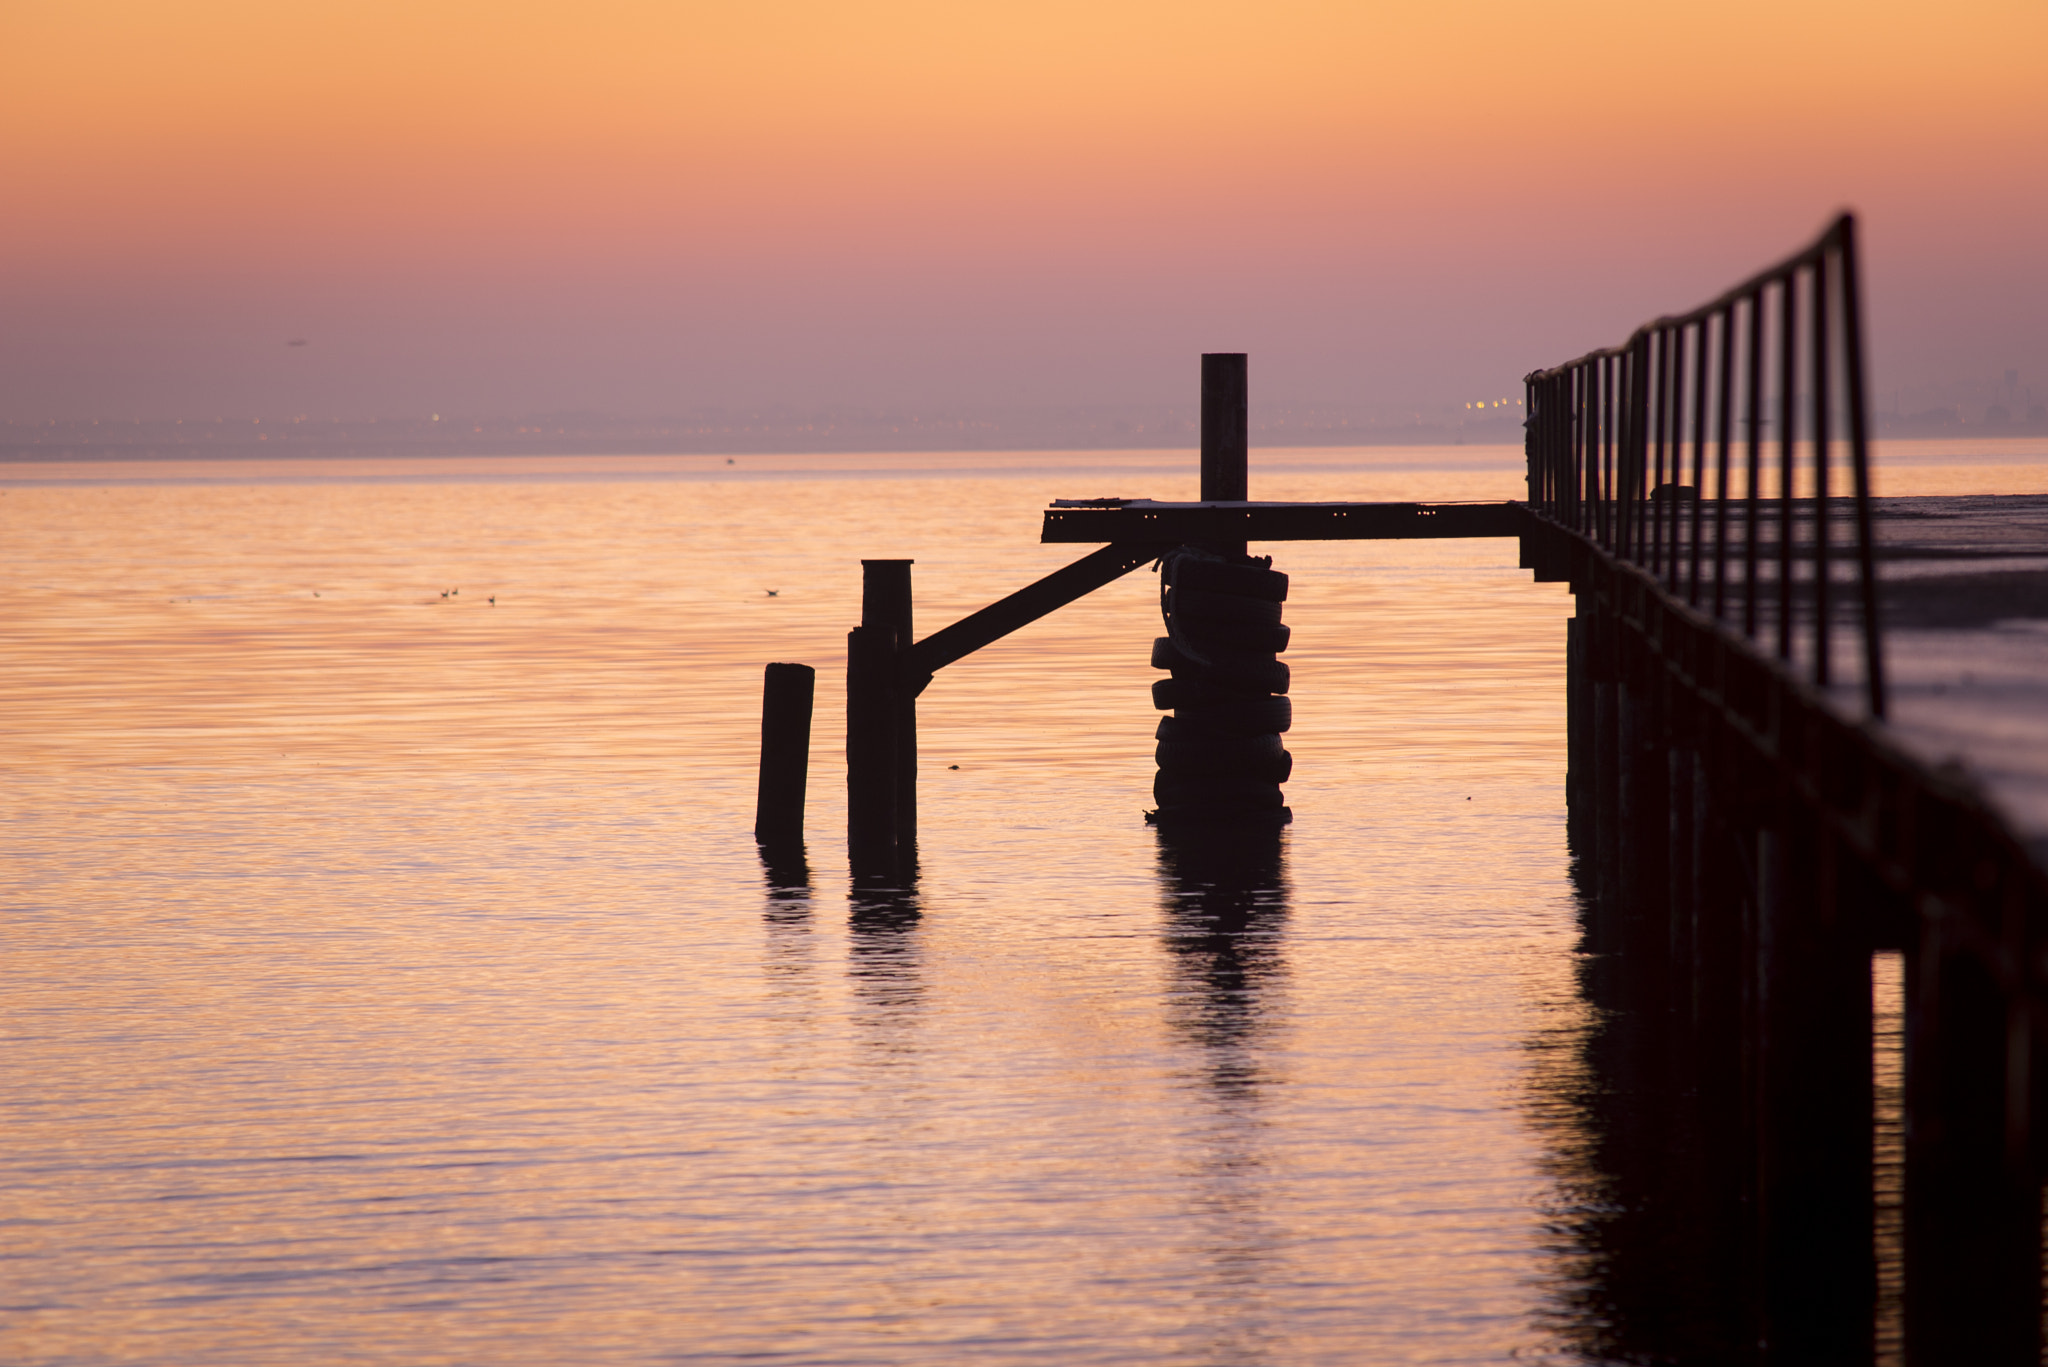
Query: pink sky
x,y
648,208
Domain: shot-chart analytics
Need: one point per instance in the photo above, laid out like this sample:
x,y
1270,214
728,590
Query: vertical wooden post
x,y
786,694
1973,1207
1606,765
1815,1101
885,601
1226,435
1681,761
871,752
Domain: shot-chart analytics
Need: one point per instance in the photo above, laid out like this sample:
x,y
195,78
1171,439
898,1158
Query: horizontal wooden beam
x,y
1143,519
916,665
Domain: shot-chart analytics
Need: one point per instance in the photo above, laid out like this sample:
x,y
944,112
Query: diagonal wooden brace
x,y
916,665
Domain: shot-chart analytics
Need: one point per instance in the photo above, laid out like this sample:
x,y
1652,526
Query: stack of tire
x,y
1220,758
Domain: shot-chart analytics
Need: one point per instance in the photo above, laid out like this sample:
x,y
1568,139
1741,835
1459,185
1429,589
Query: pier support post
x,y
1816,1106
786,695
1226,435
1644,793
1607,842
1973,1205
885,601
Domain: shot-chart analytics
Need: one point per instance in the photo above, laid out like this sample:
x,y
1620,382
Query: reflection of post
x,y
1226,901
882,956
788,875
788,912
1226,905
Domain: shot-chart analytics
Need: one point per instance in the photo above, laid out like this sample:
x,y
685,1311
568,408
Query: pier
x,y
1803,732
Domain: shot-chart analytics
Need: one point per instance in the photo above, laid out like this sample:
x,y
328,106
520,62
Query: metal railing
x,y
1766,386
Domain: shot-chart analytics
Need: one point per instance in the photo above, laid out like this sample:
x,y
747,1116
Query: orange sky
x,y
645,207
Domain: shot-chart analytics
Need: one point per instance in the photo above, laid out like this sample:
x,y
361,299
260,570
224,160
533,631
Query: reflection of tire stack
x,y
1220,758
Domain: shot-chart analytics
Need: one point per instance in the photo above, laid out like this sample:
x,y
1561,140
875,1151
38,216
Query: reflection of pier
x,y
1225,916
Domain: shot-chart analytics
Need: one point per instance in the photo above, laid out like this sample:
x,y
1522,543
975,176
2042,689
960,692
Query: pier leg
x,y
1607,780
885,601
1578,774
1973,1208
786,695
1817,1205
1644,792
1678,839
872,831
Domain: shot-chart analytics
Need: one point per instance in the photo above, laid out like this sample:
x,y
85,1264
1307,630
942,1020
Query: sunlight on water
x,y
392,976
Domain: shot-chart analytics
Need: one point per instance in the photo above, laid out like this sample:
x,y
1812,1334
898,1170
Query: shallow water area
x,y
392,975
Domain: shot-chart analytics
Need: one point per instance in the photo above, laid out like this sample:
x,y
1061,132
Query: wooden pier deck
x,y
1963,588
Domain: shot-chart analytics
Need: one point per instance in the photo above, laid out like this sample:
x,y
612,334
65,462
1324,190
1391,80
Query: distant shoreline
x,y
427,438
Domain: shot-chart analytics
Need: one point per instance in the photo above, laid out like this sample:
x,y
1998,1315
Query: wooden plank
x,y
1026,605
1148,520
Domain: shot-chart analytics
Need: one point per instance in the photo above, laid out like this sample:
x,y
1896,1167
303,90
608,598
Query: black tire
x,y
1246,674
1248,637
1194,822
1200,605
1258,758
1189,693
1229,751
1215,794
1249,581
1164,656
1243,673
1244,717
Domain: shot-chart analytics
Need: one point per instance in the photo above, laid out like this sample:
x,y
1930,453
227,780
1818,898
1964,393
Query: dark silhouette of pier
x,y
1766,789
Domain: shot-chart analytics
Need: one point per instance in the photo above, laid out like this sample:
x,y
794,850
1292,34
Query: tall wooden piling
x,y
885,601
1226,435
787,691
872,828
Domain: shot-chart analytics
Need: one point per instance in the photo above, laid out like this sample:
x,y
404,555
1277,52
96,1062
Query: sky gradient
x,y
646,208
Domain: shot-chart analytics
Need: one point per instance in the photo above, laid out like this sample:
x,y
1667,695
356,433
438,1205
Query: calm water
x,y
391,976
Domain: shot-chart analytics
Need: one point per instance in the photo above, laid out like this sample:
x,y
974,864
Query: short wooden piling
x,y
786,696
872,831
